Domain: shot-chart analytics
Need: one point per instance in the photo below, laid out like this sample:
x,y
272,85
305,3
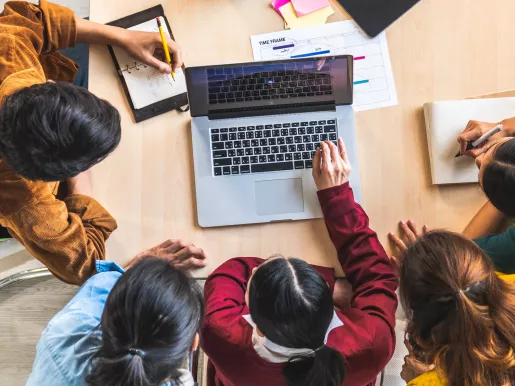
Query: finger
x,y
176,52
165,244
190,250
335,154
320,64
394,261
176,246
397,241
158,64
478,150
470,125
191,263
407,232
425,229
413,227
317,162
343,150
326,154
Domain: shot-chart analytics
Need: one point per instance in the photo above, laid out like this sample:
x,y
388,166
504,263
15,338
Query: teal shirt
x,y
501,249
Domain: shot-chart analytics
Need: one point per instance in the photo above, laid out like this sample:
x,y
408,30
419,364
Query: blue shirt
x,y
73,336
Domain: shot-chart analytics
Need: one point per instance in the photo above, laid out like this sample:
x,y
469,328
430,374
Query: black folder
x,y
173,103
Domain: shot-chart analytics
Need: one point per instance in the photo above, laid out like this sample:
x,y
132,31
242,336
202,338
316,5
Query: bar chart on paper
x,y
374,86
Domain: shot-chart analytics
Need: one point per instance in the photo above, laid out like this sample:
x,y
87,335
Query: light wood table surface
x,y
441,49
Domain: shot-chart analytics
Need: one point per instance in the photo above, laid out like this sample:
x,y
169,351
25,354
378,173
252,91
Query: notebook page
x,y
147,85
444,123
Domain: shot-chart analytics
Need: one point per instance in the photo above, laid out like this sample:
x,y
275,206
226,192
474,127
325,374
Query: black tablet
x,y
373,16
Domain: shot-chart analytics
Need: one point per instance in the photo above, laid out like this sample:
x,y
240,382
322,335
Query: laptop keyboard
x,y
268,148
292,80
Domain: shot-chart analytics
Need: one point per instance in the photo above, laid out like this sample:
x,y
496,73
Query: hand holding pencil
x,y
165,46
148,48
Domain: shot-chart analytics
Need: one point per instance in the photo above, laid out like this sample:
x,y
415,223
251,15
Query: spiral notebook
x,y
149,91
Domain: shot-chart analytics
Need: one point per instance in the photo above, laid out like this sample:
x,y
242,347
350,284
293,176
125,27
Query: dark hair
x,y
460,314
148,326
292,306
54,131
499,178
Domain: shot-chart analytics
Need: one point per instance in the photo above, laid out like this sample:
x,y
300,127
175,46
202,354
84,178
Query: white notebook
x,y
147,85
444,123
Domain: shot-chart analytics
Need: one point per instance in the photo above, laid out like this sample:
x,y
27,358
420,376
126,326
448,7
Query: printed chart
x,y
374,86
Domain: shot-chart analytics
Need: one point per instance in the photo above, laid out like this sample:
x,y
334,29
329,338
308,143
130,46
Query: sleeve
x,y
28,30
501,249
368,269
68,237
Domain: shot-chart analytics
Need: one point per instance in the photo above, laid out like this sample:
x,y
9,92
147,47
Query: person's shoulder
x,y
431,378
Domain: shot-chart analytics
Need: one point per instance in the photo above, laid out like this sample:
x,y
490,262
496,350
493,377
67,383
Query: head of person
x,y
149,326
461,314
497,175
292,306
54,131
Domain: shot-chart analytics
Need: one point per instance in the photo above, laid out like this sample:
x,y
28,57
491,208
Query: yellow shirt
x,y
431,378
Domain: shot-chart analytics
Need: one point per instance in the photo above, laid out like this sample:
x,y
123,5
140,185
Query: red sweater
x,y
367,338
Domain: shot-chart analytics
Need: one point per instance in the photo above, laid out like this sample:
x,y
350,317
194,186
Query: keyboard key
x,y
226,170
233,136
281,141
332,137
249,151
215,131
263,142
231,153
235,170
250,127
272,141
241,135
273,167
295,124
301,147
274,149
302,130
324,137
313,123
288,157
299,164
250,135
218,171
220,154
257,150
269,127
315,138
284,132
254,159
306,139
279,157
297,156
258,134
277,126
244,169
254,142
321,122
265,150
262,158
304,123
245,160
276,133
309,164
297,139
289,140
246,143
267,133
331,122
283,149
240,152
222,162
217,146
306,155
286,125
237,144
215,137
271,158
310,130
310,147
224,130
228,145
293,131
236,160
319,129
330,129
242,128
233,129
224,137
259,127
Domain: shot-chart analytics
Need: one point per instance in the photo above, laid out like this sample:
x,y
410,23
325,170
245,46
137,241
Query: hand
x,y
331,166
342,294
412,368
473,131
410,233
144,46
181,255
81,184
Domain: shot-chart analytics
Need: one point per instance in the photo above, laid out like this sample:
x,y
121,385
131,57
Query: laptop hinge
x,y
272,110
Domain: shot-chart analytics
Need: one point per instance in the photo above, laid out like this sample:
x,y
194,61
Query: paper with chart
x,y
374,86
147,85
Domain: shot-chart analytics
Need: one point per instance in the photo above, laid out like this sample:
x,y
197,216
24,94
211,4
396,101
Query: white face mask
x,y
275,353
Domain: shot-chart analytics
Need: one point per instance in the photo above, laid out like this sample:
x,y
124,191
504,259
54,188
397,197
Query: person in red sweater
x,y
273,322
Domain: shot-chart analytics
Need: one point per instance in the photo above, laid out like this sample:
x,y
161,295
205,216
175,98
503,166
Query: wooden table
x,y
440,50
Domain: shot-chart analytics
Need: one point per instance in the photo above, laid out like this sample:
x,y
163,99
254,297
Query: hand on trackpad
x,y
279,196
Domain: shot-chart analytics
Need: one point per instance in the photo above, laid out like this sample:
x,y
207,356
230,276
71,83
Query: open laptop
x,y
255,129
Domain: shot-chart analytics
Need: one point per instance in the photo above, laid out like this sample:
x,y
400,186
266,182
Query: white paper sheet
x,y
147,85
374,86
444,123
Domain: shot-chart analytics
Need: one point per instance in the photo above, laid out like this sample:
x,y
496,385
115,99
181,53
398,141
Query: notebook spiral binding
x,y
129,68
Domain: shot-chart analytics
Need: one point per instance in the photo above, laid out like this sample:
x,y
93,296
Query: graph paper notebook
x,y
149,92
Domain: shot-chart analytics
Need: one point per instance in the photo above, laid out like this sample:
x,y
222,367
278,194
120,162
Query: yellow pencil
x,y
165,45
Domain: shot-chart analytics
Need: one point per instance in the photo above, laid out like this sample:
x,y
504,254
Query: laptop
x,y
255,128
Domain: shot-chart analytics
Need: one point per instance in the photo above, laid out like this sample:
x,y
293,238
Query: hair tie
x,y
135,351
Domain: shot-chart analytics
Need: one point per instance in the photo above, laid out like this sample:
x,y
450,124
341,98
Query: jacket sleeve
x,y
28,30
68,237
368,270
501,249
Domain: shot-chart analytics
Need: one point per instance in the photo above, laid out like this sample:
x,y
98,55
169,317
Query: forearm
x,y
485,222
509,127
89,32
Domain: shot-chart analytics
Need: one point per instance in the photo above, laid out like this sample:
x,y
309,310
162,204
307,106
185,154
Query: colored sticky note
x,y
276,4
314,18
303,7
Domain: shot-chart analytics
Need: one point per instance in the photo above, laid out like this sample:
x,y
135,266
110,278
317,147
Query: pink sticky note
x,y
276,4
303,7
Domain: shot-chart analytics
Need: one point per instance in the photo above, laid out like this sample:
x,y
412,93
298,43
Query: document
x,y
374,85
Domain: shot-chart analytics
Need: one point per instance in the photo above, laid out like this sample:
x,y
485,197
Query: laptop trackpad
x,y
279,196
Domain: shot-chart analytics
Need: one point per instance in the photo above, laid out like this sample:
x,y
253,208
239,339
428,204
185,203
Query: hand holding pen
x,y
478,137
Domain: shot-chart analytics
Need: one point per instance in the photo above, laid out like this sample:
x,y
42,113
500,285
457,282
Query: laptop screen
x,y
255,85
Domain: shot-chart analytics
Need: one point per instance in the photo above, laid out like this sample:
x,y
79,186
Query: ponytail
x,y
124,369
325,367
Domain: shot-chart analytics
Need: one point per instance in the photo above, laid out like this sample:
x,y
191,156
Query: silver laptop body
x,y
252,149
